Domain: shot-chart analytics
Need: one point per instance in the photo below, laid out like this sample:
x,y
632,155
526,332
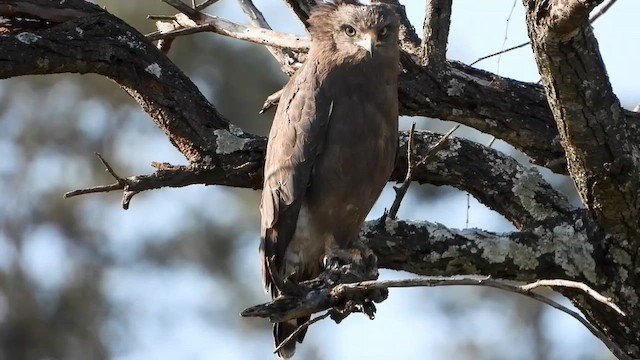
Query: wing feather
x,y
296,137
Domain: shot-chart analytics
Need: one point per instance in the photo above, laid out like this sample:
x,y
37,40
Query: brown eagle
x,y
332,145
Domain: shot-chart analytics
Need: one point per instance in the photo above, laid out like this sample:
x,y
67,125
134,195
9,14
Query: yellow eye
x,y
383,32
350,31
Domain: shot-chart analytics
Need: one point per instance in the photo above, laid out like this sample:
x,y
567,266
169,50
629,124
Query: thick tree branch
x,y
426,248
437,20
601,146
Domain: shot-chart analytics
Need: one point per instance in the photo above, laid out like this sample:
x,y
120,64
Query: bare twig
x,y
506,35
500,52
402,190
411,165
161,17
593,18
602,10
118,185
205,4
300,329
576,285
166,175
192,13
437,147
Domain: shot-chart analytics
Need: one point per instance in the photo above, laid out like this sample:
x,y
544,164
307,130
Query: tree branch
x,y
437,20
426,248
601,145
496,180
228,28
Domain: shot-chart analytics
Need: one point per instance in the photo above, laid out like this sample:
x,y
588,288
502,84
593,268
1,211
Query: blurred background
x,y
84,279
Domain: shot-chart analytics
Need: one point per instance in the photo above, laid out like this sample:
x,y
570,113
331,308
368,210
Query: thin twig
x,y
500,52
118,185
576,285
402,190
299,329
192,13
206,4
593,18
437,147
506,36
602,10
411,165
161,17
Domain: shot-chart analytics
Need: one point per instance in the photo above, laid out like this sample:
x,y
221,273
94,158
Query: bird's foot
x,y
352,265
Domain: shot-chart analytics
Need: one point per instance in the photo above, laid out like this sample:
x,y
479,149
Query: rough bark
x,y
600,143
575,113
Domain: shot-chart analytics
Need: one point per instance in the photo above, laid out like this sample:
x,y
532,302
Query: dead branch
x,y
555,283
234,30
402,190
166,175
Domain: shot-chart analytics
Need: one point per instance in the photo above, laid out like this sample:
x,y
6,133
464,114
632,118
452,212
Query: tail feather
x,y
281,331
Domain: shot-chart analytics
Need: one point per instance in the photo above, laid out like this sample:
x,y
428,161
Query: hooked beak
x,y
366,43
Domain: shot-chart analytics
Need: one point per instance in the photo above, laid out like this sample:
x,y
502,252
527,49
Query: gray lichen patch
x,y
451,150
440,232
227,143
235,130
130,41
390,225
455,88
525,186
498,249
154,69
571,249
27,37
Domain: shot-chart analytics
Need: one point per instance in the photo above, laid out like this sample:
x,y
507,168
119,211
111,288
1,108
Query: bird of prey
x,y
332,145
